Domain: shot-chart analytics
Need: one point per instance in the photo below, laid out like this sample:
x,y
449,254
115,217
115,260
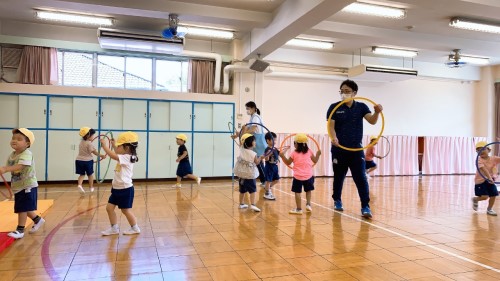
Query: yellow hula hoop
x,y
335,109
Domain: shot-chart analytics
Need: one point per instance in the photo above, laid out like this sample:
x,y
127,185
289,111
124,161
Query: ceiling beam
x,y
292,18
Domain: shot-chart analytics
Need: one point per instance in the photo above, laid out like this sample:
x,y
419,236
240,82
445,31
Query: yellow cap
x,y
300,138
27,133
181,137
481,144
245,136
127,137
84,131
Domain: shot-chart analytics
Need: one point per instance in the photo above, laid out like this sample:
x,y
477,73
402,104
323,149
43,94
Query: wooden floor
x,y
422,229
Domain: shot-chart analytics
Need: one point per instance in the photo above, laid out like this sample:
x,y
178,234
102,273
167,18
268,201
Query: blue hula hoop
x,y
272,139
477,159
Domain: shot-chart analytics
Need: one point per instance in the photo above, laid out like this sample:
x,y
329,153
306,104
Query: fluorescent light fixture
x,y
375,10
475,25
308,43
471,59
206,32
74,18
394,52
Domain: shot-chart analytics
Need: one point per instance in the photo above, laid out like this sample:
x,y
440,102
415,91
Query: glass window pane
x,y
59,67
77,69
110,71
185,70
139,73
168,76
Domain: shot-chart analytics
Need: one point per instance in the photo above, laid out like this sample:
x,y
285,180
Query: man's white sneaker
x,y
198,181
81,190
243,206
254,208
111,231
16,234
133,230
36,226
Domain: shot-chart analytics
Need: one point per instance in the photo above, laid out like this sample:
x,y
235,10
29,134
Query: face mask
x,y
346,96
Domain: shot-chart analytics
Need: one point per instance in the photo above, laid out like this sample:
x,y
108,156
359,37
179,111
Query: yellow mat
x,y
8,219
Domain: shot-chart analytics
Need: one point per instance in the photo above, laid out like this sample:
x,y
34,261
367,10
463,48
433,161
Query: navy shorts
x,y
184,169
25,201
486,188
271,172
247,185
297,185
370,164
84,167
123,198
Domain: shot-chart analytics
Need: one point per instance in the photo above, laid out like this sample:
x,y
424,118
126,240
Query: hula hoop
x,y
109,161
98,137
388,147
272,139
8,188
232,130
289,136
335,109
477,159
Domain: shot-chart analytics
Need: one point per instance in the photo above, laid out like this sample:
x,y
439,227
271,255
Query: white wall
x,y
413,107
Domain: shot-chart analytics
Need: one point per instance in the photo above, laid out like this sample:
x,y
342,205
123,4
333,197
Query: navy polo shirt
x,y
349,123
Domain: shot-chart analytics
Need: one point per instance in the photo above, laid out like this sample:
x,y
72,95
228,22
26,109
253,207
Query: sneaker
x,y
308,208
36,226
366,213
177,185
81,190
91,189
243,206
16,234
338,206
111,231
198,181
474,204
133,230
269,196
491,213
295,211
254,208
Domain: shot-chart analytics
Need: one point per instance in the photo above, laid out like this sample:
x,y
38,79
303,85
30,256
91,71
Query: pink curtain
x,y
38,66
450,155
402,159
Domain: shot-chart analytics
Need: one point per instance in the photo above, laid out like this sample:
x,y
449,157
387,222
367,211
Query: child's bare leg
x,y
113,219
252,198
298,201
371,170
308,198
481,198
31,214
179,179
130,216
268,185
242,197
491,202
191,176
21,218
80,180
91,182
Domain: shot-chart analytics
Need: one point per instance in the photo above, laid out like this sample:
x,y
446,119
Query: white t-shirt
x,y
255,118
123,172
247,155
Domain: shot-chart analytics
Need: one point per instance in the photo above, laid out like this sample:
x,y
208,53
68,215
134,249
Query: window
x,y
139,73
75,69
110,71
171,75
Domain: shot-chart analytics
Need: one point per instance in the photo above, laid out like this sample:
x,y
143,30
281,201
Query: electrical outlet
x,y
239,125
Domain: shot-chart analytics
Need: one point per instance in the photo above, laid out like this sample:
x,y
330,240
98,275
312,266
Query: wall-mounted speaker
x,y
258,65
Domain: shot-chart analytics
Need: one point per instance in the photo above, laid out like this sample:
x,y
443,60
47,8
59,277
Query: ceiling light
x,y
206,32
475,25
394,52
74,18
375,10
308,43
471,59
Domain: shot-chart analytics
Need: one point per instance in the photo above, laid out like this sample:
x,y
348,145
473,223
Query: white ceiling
x,y
265,25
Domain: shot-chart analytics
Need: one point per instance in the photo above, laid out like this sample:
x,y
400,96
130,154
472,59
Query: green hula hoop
x,y
109,160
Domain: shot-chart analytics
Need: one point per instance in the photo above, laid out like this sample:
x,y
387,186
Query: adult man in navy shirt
x,y
346,128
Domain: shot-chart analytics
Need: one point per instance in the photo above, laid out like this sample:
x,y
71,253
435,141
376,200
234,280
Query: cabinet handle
x,y
45,112
96,113
150,115
102,113
190,116
50,112
145,115
194,116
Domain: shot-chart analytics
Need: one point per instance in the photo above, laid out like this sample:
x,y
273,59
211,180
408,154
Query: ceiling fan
x,y
171,31
454,59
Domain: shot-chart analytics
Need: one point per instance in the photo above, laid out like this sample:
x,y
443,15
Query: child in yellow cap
x,y
184,169
485,189
23,181
84,163
122,191
370,165
248,160
303,159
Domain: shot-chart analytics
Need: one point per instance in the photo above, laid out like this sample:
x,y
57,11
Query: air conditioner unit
x,y
136,41
381,73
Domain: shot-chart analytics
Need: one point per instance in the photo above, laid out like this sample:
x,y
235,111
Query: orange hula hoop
x,y
289,136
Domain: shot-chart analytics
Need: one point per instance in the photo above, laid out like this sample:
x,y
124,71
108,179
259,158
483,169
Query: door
x,y
111,114
160,160
202,158
181,115
135,115
32,111
62,151
60,113
203,117
223,114
85,113
9,115
223,155
159,115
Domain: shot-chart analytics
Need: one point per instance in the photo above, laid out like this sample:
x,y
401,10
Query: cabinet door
x,y
9,114
111,114
63,149
203,116
60,113
181,114
135,115
223,114
160,160
5,137
202,158
32,111
223,155
159,115
85,113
